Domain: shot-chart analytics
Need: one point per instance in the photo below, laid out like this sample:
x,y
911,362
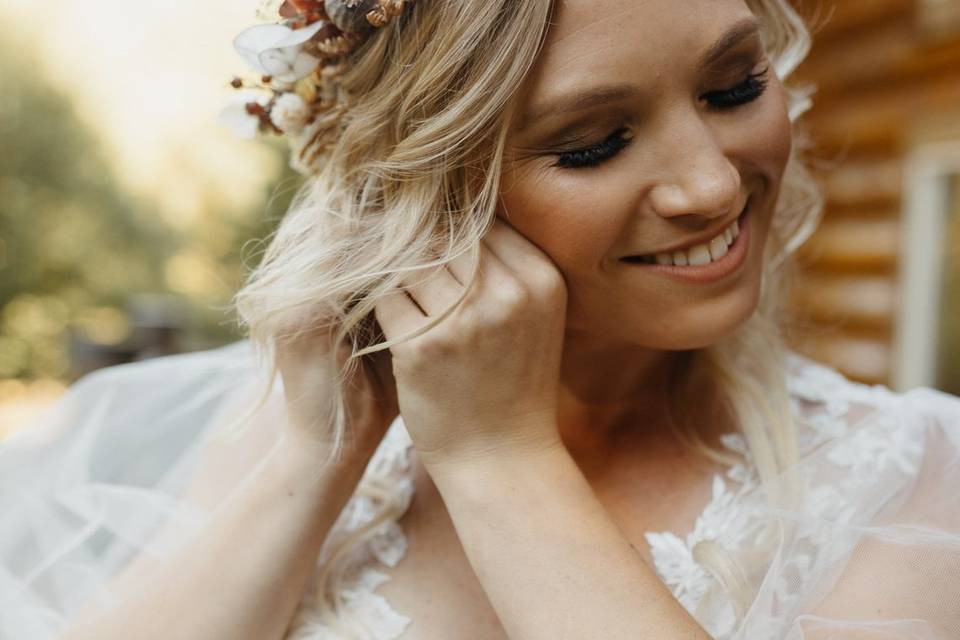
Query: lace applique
x,y
845,488
384,492
674,560
822,400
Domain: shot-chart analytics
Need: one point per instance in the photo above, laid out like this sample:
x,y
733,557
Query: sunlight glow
x,y
150,78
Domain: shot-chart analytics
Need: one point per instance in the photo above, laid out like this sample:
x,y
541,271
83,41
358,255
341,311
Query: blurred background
x,y
880,294
127,214
126,211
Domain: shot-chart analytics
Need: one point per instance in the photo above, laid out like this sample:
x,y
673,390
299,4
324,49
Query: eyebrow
x,y
608,94
737,34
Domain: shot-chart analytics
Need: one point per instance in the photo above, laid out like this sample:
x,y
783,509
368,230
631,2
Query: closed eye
x,y
592,156
747,91
750,89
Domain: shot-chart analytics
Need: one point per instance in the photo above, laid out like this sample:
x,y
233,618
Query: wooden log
x,y
871,187
854,245
849,301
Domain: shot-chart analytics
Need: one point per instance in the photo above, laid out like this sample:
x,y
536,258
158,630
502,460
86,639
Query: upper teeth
x,y
700,254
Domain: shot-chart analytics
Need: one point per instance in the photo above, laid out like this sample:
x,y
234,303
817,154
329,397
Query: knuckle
x,y
430,347
511,294
548,279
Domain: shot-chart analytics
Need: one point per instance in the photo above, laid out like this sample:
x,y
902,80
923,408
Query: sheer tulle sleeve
x,y
865,542
108,474
874,550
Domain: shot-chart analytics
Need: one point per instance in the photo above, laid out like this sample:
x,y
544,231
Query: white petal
x,y
253,41
288,65
277,62
261,37
239,121
304,65
235,117
299,36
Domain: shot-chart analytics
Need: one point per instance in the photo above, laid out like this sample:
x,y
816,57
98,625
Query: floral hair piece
x,y
299,58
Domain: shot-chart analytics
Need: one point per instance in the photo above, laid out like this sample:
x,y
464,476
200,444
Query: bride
x,y
523,329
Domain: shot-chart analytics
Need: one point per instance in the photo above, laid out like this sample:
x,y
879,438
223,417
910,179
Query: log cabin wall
x,y
888,77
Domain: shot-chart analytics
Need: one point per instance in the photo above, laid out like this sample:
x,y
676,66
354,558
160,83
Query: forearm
x,y
242,576
550,559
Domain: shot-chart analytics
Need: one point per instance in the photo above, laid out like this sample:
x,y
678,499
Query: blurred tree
x,y
75,248
70,239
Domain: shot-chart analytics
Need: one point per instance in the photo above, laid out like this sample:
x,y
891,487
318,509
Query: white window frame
x,y
928,170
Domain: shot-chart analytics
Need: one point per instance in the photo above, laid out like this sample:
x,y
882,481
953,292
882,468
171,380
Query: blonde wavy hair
x,y
411,179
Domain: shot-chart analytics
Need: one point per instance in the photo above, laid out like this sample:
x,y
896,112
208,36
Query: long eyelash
x,y
747,91
596,154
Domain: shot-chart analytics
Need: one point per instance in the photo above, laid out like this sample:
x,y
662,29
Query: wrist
x,y
482,443
311,463
299,481
491,465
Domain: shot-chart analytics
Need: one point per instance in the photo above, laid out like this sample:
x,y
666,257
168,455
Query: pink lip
x,y
713,271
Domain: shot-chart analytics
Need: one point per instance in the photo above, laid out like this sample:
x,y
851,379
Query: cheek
x,y
771,136
572,217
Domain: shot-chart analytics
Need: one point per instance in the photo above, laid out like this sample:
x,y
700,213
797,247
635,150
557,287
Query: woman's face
x,y
645,128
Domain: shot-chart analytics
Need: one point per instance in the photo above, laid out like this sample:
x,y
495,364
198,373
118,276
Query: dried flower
x,y
243,115
277,51
299,61
290,113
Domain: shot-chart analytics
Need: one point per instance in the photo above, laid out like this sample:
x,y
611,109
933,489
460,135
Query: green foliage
x,y
74,247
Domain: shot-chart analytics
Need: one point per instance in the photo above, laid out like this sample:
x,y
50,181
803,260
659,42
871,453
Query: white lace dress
x,y
868,548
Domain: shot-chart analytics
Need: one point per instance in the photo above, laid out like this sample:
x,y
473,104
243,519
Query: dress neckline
x,y
385,492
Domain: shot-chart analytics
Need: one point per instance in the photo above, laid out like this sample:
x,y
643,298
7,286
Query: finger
x,y
513,249
493,271
462,266
434,289
397,314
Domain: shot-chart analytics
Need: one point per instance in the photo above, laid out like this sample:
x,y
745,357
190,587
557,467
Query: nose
x,y
697,178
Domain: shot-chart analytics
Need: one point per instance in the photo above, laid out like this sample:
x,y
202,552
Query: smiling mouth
x,y
698,255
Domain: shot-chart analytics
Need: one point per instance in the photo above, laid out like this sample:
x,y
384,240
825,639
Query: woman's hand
x,y
308,379
485,380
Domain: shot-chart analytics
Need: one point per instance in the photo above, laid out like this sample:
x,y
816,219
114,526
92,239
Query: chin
x,y
699,335
684,334
713,322
689,327
672,323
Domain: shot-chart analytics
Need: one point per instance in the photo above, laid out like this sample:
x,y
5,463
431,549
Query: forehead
x,y
598,39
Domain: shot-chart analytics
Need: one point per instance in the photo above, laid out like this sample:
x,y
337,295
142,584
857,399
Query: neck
x,y
609,390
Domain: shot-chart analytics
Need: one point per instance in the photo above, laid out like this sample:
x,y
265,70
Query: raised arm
x,y
479,398
549,556
242,575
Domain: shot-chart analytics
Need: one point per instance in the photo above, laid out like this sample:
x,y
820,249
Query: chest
x,y
435,587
